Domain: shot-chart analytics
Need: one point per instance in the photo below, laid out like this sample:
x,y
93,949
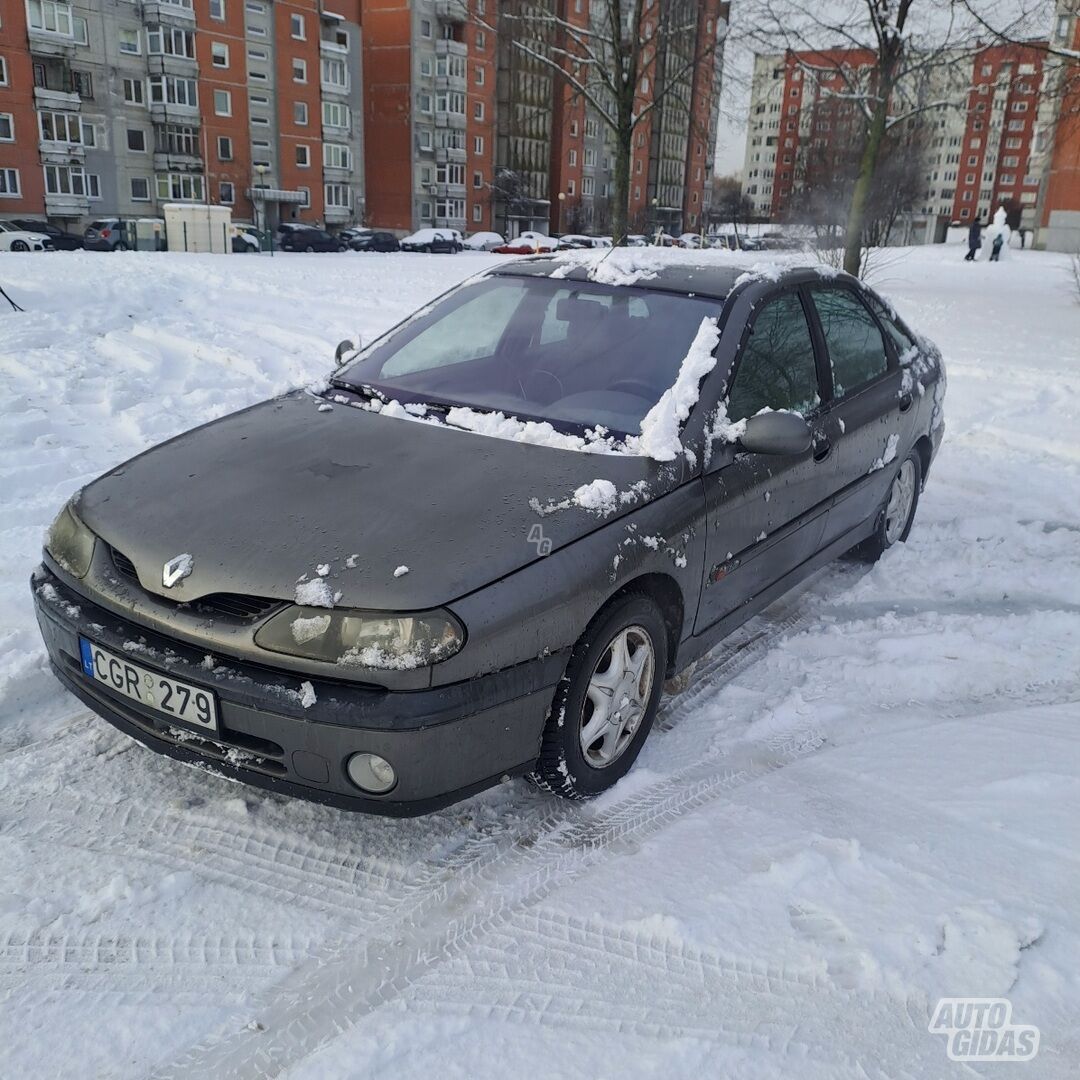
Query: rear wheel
x,y
896,517
605,705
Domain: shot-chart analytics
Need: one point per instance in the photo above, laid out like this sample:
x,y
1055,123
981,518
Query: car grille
x,y
232,605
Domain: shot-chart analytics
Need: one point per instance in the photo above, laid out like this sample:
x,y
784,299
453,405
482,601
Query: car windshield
x,y
576,354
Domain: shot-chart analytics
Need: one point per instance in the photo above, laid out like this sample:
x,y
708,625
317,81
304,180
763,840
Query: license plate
x,y
170,697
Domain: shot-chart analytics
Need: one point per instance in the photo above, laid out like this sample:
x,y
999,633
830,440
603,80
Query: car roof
x,y
686,275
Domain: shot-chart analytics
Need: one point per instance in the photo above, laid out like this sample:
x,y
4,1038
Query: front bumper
x,y
445,744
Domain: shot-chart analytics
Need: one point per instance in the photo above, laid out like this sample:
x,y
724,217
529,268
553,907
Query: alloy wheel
x,y
617,696
901,500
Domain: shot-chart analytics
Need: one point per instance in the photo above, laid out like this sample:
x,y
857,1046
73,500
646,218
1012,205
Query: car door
x,y
766,514
864,404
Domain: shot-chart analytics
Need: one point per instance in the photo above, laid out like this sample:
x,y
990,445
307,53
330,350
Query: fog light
x,y
371,773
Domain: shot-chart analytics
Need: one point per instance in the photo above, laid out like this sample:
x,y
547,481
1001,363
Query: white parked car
x,y
485,241
12,238
445,241
245,238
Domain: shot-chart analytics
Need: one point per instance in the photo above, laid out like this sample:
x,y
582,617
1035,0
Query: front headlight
x,y
369,639
70,543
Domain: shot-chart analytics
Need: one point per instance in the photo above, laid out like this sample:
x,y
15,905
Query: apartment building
x,y
990,145
429,87
115,108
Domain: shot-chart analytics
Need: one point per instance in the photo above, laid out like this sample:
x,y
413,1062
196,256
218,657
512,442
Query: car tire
x,y
309,249
895,518
426,249
616,669
342,247
19,245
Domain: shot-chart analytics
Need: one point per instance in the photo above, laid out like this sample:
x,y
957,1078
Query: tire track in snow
x,y
330,994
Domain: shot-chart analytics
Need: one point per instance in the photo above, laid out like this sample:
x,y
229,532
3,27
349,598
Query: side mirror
x,y
344,347
781,434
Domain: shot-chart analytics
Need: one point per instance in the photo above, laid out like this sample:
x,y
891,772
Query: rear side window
x,y
854,340
776,369
901,339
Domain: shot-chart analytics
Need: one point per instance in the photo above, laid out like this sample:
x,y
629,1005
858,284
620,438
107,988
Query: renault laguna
x,y
485,545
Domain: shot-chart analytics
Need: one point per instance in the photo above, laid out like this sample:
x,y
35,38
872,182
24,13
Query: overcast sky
x,y
739,60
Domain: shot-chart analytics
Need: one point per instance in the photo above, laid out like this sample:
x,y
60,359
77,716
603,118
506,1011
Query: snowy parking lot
x,y
867,800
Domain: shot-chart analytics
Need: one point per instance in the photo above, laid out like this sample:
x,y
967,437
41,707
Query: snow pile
x,y
661,425
401,571
613,266
599,497
314,593
308,629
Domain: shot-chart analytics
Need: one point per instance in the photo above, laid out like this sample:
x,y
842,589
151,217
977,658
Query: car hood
x,y
265,497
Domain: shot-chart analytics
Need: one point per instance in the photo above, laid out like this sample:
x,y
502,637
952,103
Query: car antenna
x,y
600,262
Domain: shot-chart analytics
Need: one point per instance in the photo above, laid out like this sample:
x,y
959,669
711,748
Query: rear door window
x,y
776,369
901,339
854,340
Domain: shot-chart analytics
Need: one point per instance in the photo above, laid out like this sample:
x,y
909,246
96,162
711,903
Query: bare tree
x,y
625,58
894,60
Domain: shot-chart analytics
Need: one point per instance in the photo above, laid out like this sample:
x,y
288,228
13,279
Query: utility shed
x,y
198,227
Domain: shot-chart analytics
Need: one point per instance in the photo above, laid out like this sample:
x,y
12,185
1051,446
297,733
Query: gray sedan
x,y
484,547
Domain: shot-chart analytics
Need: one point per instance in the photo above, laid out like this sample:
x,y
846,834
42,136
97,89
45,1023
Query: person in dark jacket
x,y
995,252
974,240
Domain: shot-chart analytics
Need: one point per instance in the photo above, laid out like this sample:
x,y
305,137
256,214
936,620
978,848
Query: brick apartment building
x,y
466,130
1006,139
114,108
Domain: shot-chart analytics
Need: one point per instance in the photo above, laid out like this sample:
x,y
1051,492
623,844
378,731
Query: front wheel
x,y
896,518
19,245
606,702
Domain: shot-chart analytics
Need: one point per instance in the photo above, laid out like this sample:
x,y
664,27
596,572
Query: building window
x,y
300,113
572,157
587,185
478,144
9,184
170,41
425,28
134,93
82,84
571,187
335,114
7,127
479,76
336,156
140,189
424,139
180,187
224,148
305,194
3,72
129,42
47,15
222,103
177,139
219,54
217,10
170,90
425,211
136,140
481,40
65,180
60,127
338,196
303,155
299,70
226,193
477,212
335,74
478,110
296,27
477,180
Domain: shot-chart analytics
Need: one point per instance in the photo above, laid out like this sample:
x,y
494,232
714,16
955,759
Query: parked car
x,y
637,240
440,241
690,240
61,240
574,241
485,241
105,234
245,238
373,240
528,243
434,609
12,238
308,239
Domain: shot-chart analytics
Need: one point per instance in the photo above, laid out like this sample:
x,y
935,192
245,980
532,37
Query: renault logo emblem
x,y
176,569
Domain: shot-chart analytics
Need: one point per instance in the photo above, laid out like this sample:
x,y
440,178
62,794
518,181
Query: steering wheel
x,y
635,387
532,393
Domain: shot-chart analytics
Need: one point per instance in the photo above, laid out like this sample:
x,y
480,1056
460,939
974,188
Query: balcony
x,y
66,205
454,11
334,88
160,11
337,213
337,173
450,82
61,153
50,43
167,161
332,48
162,113
56,99
443,47
161,64
444,154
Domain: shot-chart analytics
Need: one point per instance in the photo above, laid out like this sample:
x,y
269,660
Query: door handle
x,y
905,402
822,448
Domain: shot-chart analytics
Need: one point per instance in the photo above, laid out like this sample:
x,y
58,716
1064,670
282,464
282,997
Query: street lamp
x,y
260,204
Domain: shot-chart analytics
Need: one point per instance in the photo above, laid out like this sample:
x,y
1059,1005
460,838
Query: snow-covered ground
x,y
870,798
